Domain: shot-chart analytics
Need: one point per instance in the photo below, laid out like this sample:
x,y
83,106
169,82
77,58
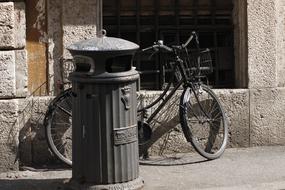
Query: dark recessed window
x,y
145,21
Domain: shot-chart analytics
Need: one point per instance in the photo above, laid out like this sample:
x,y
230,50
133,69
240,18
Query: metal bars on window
x,y
145,21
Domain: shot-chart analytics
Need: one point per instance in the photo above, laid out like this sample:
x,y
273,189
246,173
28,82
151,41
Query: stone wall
x,y
262,41
255,114
67,23
266,71
21,115
13,79
235,103
280,6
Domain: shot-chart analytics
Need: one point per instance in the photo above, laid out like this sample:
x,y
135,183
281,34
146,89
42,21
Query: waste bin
x,y
104,115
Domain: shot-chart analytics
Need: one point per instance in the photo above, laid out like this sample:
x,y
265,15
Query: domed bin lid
x,y
102,45
103,54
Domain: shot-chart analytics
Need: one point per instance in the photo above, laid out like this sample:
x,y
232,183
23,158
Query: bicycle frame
x,y
183,80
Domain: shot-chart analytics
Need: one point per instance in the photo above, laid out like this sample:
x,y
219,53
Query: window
x,y
145,21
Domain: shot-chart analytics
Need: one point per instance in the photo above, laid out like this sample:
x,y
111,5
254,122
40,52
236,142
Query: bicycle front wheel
x,y
58,121
203,121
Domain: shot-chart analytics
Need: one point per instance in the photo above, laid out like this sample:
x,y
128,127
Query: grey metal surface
x,y
103,54
104,134
105,145
105,77
103,44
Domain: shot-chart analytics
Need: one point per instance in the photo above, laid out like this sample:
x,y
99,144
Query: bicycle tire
x,y
58,130
196,117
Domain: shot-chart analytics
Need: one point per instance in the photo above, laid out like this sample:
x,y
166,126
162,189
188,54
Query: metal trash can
x,y
104,115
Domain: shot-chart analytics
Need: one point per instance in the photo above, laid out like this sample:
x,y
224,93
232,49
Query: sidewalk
x,y
254,168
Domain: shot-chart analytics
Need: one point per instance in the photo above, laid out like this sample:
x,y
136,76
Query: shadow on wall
x,y
167,136
33,148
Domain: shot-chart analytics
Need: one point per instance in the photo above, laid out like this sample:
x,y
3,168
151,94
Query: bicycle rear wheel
x,y
58,130
203,121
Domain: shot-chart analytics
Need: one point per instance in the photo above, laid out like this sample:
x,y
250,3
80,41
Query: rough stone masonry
x,y
13,79
255,113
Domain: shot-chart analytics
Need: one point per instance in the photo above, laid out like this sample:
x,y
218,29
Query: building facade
x,y
35,33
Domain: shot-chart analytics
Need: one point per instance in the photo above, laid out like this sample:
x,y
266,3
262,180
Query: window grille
x,y
145,21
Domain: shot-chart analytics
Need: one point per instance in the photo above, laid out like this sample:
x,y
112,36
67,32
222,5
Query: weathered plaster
x,y
40,23
78,24
55,46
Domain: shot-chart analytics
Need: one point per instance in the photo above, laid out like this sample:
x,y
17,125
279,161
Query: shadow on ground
x,y
173,160
32,184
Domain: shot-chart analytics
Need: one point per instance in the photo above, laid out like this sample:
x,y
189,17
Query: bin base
x,y
136,184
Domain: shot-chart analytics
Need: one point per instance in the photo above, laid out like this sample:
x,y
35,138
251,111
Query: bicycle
x,y
201,115
58,117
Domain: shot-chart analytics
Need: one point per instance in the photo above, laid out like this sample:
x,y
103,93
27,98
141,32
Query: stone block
x,y
9,132
13,74
236,105
7,24
20,25
33,148
262,39
7,74
267,117
8,157
12,25
8,121
21,73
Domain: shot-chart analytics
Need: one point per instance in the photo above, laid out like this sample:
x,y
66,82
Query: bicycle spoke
x,y
214,108
216,117
69,101
61,119
191,108
64,110
205,120
60,124
61,147
192,120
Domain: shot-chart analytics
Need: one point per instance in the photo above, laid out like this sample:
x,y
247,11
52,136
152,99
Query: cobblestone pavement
x,y
252,168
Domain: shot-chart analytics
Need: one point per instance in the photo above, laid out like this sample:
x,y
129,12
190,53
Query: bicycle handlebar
x,y
160,45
